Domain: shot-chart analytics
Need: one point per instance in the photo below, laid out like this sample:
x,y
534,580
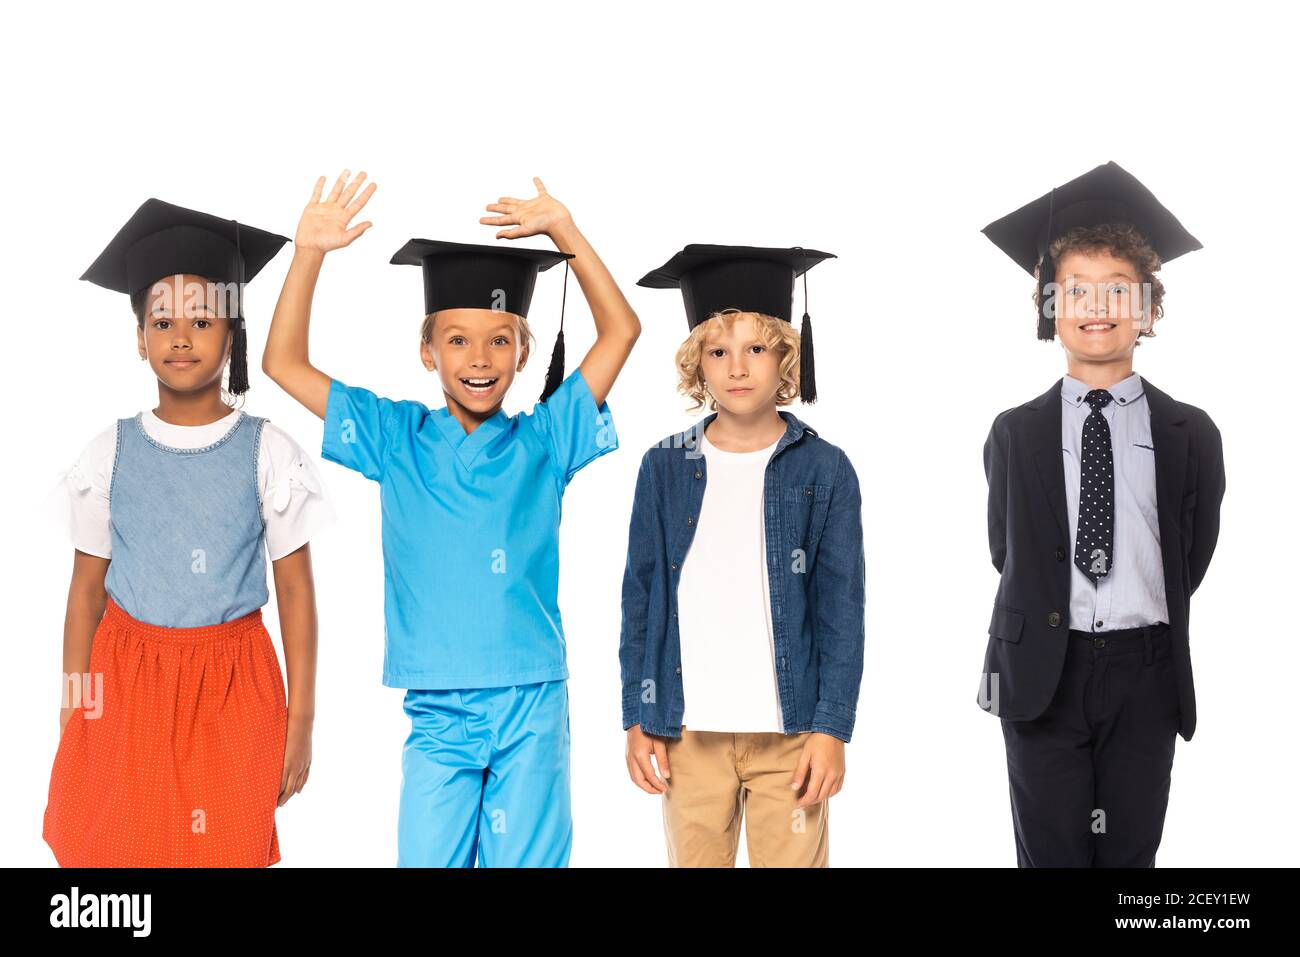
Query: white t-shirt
x,y
294,502
724,614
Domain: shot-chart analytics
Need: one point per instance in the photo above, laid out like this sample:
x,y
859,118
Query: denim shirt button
x,y
690,519
674,566
679,669
698,474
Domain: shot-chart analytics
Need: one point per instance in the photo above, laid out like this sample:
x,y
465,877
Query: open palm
x,y
324,223
529,217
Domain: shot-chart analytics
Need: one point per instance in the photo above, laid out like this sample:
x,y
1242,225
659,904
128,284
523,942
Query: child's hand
x,y
543,214
324,223
823,756
297,759
640,748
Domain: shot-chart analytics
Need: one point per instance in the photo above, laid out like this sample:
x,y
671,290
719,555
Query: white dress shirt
x,y
1132,594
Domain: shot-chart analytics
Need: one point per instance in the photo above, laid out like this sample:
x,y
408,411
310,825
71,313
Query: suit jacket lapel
x,y
1169,436
1045,441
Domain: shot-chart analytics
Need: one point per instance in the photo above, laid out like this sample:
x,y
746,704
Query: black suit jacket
x,y
1029,539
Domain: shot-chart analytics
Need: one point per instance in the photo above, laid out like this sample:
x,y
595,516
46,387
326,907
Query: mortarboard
x,y
476,276
748,278
1106,194
161,239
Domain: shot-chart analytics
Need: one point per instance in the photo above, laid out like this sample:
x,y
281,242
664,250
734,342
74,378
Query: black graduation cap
x,y
748,278
1106,194
477,276
161,239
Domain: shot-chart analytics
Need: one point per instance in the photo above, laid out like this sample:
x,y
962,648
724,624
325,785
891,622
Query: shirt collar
x,y
467,446
188,436
1125,392
794,431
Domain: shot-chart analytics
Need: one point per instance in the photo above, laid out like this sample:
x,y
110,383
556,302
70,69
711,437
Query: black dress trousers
x,y
1090,775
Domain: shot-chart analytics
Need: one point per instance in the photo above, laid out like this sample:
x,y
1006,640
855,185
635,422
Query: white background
x,y
889,137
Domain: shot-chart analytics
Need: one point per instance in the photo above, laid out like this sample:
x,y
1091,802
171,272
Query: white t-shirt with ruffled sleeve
x,y
294,501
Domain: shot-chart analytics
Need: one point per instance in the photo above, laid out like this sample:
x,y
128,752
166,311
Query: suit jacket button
x,y
1054,619
1060,553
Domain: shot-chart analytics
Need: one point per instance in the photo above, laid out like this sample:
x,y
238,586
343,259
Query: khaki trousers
x,y
717,779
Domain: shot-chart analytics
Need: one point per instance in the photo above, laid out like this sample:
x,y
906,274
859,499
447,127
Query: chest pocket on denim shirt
x,y
803,513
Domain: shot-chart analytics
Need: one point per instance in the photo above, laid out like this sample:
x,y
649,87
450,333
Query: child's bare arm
x,y
295,594
285,358
86,602
323,227
617,326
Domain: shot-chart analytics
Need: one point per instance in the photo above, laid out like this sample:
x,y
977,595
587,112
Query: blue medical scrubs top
x,y
471,529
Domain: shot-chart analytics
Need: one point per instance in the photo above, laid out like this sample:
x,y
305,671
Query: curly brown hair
x,y
774,333
1121,241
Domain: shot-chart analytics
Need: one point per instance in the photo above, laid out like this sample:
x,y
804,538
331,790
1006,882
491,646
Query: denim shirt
x,y
816,579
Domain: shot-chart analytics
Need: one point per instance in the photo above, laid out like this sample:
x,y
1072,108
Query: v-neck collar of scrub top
x,y
467,446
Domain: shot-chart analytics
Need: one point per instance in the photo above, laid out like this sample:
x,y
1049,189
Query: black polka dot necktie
x,y
1092,547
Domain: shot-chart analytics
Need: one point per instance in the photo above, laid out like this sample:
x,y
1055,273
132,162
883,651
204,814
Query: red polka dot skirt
x,y
178,761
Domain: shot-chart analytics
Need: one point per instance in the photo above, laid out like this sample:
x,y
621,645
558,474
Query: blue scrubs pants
x,y
485,772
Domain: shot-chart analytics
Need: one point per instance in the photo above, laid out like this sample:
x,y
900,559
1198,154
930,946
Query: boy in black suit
x,y
1103,513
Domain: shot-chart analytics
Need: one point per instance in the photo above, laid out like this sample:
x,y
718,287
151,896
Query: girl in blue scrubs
x,y
471,514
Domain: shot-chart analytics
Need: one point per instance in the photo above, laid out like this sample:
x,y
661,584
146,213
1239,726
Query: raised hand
x,y
541,214
324,223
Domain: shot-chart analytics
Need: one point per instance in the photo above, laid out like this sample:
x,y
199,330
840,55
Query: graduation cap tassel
x,y
1046,319
807,377
239,362
239,345
555,371
1046,277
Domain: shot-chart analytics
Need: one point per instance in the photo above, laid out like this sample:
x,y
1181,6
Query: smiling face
x,y
746,361
476,353
183,333
1102,310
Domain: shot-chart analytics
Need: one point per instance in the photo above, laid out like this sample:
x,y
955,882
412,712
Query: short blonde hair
x,y
525,333
774,333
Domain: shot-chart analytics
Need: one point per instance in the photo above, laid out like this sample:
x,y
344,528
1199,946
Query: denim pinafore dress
x,y
174,757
